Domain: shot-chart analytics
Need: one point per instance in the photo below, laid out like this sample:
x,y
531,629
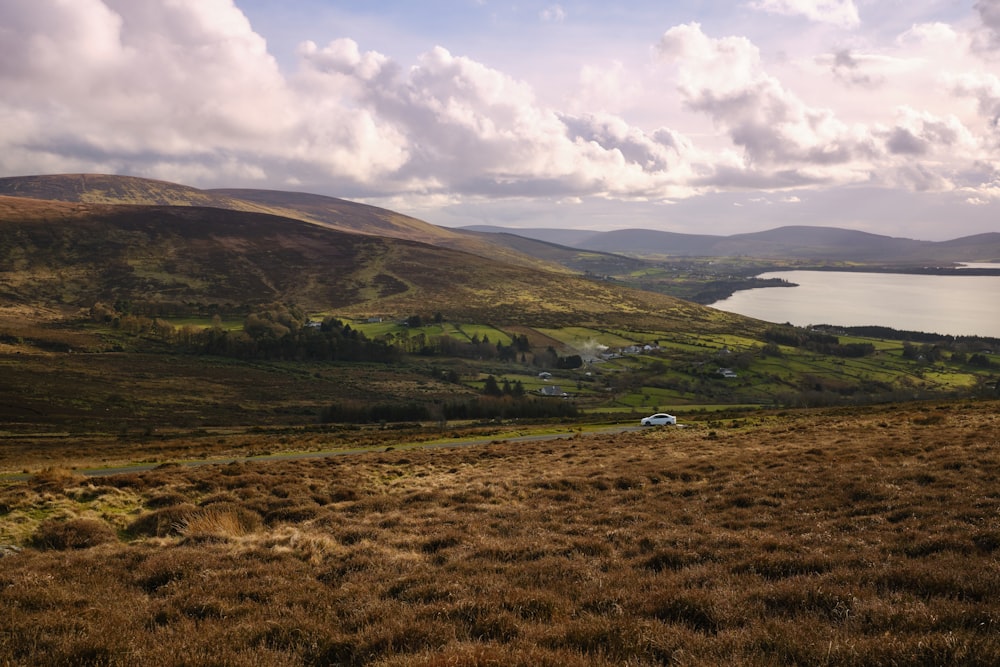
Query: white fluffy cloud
x,y
189,91
985,88
471,128
782,137
787,142
106,85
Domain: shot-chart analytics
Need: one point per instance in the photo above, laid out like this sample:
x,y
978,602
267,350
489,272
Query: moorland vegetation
x,y
861,537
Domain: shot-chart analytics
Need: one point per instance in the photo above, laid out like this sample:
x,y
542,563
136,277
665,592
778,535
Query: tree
x,y
506,352
979,360
572,361
491,388
547,359
771,350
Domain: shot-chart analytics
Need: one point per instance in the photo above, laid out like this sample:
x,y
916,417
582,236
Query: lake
x,y
957,305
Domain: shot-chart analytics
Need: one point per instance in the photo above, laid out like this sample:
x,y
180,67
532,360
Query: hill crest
x,y
71,255
331,212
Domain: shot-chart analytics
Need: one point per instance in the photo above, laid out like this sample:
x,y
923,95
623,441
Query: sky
x,y
696,116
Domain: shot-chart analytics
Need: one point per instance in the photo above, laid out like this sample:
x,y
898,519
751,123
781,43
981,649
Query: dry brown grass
x,y
867,538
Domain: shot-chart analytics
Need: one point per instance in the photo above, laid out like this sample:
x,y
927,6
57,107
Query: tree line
x,y
813,341
274,333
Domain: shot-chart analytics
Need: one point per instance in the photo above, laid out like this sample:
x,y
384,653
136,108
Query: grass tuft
x,y
220,523
79,533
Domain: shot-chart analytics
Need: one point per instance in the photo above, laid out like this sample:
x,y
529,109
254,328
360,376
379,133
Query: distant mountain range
x,y
819,244
550,249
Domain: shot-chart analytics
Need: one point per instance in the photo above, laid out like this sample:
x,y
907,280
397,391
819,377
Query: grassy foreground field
x,y
866,537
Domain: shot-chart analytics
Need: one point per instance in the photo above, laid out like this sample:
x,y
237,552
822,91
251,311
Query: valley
x,y
828,496
140,317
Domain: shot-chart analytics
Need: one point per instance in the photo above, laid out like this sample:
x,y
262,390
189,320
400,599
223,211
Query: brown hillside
x,y
349,216
331,212
107,189
73,255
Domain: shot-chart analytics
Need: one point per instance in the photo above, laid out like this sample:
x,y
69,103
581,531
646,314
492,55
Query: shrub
x,y
162,522
72,534
295,513
166,499
55,480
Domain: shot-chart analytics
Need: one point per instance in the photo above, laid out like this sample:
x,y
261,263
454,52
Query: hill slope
x,y
70,255
364,219
329,212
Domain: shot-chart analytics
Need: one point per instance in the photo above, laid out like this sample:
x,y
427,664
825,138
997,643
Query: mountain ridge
x,y
332,212
560,250
789,242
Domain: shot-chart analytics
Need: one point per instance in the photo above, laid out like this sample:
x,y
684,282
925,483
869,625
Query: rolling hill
x,y
331,212
67,256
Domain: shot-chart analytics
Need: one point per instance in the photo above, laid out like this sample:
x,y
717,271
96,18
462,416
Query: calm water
x,y
957,305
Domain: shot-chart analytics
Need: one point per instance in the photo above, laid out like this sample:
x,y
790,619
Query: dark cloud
x,y
850,69
989,14
651,153
844,59
747,179
902,142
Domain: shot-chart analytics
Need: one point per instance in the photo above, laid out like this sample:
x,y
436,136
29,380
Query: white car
x,y
659,419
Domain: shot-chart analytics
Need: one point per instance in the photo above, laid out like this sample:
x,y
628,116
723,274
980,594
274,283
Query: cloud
x,y
188,91
989,14
118,82
855,70
985,88
188,87
920,133
725,79
837,12
475,129
553,13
